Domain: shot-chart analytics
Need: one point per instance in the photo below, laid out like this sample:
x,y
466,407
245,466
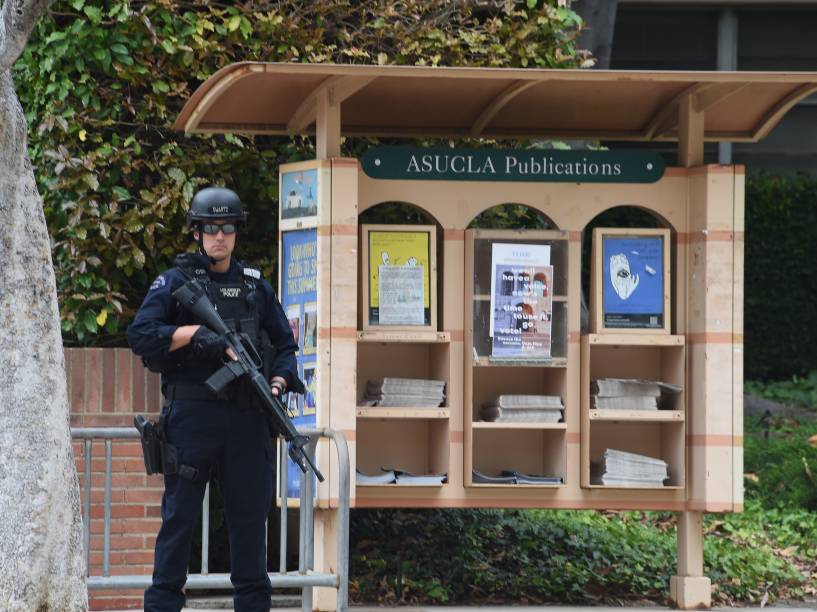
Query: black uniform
x,y
227,437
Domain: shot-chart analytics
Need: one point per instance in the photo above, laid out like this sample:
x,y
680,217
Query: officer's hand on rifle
x,y
277,385
209,345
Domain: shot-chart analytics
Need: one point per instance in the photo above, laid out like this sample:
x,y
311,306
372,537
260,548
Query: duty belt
x,y
194,391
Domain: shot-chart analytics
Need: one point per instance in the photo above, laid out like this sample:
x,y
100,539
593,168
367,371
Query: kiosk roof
x,y
413,101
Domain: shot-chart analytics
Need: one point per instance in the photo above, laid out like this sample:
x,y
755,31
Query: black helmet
x,y
215,203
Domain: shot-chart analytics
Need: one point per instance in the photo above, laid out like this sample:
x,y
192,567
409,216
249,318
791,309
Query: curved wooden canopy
x,y
409,101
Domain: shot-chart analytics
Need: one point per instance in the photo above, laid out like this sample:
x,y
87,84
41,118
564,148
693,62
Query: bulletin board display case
x,y
511,322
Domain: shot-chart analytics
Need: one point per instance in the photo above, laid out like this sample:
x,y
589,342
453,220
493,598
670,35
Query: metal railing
x,y
305,577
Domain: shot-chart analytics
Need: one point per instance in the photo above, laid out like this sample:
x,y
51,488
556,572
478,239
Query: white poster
x,y
521,301
401,295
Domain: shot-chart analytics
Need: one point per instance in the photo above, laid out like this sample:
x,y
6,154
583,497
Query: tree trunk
x,y
41,548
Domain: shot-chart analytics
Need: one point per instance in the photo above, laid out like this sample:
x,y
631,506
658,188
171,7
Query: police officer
x,y
223,437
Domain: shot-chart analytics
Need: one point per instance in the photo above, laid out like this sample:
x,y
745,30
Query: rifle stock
x,y
192,296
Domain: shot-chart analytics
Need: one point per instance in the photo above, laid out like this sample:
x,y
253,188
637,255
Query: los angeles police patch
x,y
158,283
232,291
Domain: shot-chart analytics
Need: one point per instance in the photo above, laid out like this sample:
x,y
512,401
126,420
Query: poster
x,y
632,272
521,302
299,298
299,194
404,292
401,295
310,341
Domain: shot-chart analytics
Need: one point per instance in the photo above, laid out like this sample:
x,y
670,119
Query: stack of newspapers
x,y
631,394
400,477
404,393
523,409
621,469
514,477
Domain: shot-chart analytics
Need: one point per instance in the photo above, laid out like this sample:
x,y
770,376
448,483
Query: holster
x,y
160,457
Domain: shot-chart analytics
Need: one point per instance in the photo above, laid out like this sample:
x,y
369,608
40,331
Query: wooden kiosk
x,y
697,346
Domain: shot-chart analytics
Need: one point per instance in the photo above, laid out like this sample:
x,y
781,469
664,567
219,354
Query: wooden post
x,y
690,588
327,125
690,133
341,234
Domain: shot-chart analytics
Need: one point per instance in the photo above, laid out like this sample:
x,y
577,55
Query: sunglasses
x,y
215,228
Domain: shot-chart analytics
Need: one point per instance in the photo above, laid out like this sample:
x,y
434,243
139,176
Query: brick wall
x,y
106,387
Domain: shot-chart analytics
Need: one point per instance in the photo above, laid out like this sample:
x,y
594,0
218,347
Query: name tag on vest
x,y
231,292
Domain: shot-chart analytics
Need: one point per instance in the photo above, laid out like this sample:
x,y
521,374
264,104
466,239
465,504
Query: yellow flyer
x,y
404,296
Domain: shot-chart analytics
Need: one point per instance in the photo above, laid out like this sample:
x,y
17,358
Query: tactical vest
x,y
237,304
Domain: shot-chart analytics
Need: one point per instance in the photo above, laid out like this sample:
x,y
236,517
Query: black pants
x,y
237,443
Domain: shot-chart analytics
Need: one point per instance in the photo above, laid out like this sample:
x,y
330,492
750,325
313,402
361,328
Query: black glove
x,y
208,344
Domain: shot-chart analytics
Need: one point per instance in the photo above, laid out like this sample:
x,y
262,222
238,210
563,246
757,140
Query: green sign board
x,y
522,165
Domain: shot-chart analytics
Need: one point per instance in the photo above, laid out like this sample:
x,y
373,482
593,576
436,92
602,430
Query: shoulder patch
x,y
158,283
253,273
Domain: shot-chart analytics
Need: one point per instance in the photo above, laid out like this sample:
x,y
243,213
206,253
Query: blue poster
x,y
299,194
633,282
299,298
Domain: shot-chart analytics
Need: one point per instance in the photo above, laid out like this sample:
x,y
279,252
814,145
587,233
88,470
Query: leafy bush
x,y
537,556
782,468
760,552
799,391
101,83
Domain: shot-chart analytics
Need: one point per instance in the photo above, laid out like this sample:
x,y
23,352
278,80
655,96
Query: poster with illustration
x,y
632,276
311,384
298,293
294,317
399,277
521,302
293,405
310,342
299,194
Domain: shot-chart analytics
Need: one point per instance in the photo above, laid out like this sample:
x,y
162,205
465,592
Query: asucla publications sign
x,y
523,165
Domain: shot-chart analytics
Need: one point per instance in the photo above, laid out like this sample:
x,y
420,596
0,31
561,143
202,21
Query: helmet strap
x,y
200,242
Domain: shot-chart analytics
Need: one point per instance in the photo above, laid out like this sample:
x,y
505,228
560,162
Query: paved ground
x,y
786,608
287,603
515,609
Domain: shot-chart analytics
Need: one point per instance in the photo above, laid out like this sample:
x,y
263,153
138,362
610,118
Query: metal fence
x,y
305,577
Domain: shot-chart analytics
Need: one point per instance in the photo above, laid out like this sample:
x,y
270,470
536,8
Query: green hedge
x,y
574,557
102,81
781,276
781,464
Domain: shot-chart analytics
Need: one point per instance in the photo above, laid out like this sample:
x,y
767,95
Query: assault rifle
x,y
247,363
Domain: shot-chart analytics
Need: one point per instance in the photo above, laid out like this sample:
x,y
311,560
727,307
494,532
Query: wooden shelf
x,y
620,488
523,447
501,425
484,297
489,485
485,362
651,416
660,434
402,413
413,337
645,339
394,485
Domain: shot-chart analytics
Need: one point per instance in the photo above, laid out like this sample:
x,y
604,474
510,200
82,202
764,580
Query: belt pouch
x,y
151,445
